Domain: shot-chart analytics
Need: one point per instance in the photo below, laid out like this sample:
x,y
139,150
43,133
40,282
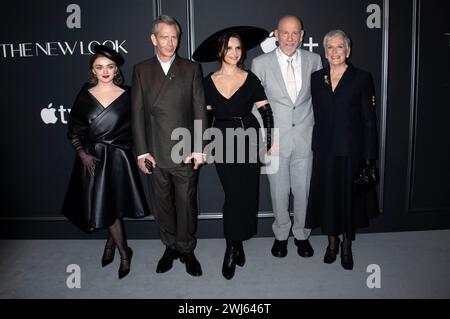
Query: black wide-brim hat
x,y
250,36
110,53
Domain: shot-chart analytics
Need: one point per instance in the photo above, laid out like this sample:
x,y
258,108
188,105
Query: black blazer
x,y
160,104
345,120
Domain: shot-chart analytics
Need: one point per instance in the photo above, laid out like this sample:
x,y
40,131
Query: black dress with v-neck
x,y
345,134
115,190
240,181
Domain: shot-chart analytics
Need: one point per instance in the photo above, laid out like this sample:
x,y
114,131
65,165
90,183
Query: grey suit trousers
x,y
294,174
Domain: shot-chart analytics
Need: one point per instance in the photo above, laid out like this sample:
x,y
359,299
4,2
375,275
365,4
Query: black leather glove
x,y
210,117
267,118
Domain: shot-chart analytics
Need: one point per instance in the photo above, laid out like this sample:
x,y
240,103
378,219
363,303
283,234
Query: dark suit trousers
x,y
174,204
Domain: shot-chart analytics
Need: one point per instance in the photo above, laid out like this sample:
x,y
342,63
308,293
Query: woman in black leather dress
x,y
105,185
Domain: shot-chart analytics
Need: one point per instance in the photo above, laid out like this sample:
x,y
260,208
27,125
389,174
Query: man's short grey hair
x,y
166,20
334,33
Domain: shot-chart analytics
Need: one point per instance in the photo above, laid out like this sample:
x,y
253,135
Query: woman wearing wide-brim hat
x,y
231,92
105,185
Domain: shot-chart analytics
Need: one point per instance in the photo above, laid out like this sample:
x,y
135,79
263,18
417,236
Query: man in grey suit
x,y
167,94
285,74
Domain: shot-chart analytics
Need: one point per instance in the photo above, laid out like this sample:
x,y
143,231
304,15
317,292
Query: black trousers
x,y
173,199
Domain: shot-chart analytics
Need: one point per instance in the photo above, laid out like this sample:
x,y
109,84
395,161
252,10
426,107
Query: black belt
x,y
233,118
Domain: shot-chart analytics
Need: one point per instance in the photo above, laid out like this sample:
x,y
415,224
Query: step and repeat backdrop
x,y
45,47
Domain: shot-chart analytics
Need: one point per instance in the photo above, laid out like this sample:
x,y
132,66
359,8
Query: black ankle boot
x,y
240,258
229,261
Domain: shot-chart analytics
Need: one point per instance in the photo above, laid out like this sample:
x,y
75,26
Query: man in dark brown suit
x,y
167,94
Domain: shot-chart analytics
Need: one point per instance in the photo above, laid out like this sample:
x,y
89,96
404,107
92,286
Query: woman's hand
x,y
274,151
89,162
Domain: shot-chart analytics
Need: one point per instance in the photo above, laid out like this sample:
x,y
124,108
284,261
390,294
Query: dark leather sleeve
x,y
267,118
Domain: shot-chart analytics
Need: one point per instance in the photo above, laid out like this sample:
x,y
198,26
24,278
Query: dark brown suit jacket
x,y
161,103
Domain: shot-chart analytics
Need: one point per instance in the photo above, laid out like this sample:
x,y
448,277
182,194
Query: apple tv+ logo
x,y
49,116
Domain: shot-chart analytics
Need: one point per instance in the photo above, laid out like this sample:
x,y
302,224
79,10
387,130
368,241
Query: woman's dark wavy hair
x,y
92,79
222,47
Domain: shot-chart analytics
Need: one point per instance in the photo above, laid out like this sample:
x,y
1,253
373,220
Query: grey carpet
x,y
413,265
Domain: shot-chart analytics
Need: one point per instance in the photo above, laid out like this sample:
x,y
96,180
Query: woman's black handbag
x,y
367,177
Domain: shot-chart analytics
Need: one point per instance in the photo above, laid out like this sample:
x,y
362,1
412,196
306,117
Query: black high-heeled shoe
x,y
123,273
108,255
330,254
347,259
240,257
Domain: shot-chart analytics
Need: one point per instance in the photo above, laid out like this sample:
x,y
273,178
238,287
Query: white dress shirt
x,y
166,65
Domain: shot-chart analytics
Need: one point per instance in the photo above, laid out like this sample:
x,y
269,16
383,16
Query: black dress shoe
x,y
279,248
240,258
229,262
123,271
304,248
193,267
347,259
108,255
166,261
330,254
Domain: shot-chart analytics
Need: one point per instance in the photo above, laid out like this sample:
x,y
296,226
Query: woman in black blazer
x,y
344,143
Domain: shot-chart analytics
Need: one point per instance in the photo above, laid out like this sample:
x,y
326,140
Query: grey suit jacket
x,y
295,121
160,104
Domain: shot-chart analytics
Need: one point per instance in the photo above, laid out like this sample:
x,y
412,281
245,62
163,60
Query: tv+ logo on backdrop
x,y
53,115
